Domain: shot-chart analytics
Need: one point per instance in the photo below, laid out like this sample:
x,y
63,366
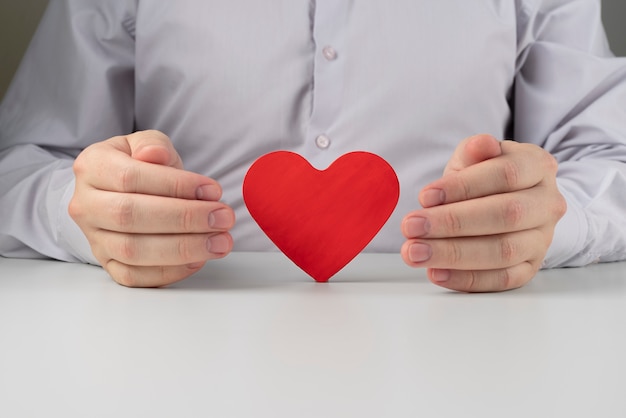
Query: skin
x,y
149,222
486,224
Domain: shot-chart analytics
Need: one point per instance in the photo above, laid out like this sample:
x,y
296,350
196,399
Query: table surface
x,y
251,335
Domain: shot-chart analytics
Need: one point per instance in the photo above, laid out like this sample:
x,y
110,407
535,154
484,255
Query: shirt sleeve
x,y
570,98
74,87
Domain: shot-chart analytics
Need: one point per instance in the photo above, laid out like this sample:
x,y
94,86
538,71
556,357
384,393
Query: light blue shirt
x,y
230,80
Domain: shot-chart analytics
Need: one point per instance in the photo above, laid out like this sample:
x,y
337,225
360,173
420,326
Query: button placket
x,y
322,141
329,31
329,53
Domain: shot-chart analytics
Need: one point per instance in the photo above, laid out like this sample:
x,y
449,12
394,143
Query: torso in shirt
x,y
407,80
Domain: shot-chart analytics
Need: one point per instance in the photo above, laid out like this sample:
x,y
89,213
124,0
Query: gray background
x,y
18,19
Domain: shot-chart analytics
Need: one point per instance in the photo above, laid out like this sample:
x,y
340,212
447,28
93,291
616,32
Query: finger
x,y
473,150
521,166
147,214
161,250
476,253
103,167
489,215
137,276
484,280
153,147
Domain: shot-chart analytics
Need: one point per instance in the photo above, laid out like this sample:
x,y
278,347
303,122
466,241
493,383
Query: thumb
x,y
473,150
153,147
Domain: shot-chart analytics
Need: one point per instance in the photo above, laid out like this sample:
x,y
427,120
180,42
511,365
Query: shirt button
x,y
322,142
329,53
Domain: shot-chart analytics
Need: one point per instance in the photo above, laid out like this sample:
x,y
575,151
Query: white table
x,y
252,335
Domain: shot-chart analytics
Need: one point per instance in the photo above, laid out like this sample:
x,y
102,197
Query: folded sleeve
x,y
74,87
570,98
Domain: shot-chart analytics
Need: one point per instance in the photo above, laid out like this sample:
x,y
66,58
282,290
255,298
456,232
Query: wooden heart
x,y
321,219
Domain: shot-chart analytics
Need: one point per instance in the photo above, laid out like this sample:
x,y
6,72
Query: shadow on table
x,y
594,280
392,276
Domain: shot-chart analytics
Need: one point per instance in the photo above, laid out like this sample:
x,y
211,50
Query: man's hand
x,y
149,222
488,222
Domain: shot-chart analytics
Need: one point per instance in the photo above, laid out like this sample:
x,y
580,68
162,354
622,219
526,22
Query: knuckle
x,y
510,174
102,256
177,187
513,213
164,274
89,161
128,179
125,277
455,253
121,274
517,276
464,187
185,251
550,162
124,213
187,220
80,165
128,249
560,207
85,159
505,279
452,223
472,281
508,250
75,209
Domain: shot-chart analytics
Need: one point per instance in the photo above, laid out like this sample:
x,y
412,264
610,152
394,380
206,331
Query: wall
x,y
18,19
614,16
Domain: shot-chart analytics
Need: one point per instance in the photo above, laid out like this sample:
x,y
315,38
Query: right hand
x,y
149,222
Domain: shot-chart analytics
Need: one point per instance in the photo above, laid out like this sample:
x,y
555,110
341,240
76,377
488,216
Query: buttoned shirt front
x,y
231,80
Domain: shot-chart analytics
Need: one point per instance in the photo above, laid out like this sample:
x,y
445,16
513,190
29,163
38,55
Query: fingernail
x,y
440,276
221,219
433,197
416,226
418,252
208,192
218,244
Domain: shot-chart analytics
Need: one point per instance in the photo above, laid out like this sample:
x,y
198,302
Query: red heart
x,y
321,219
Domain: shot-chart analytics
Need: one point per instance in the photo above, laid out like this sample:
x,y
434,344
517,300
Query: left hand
x,y
488,222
